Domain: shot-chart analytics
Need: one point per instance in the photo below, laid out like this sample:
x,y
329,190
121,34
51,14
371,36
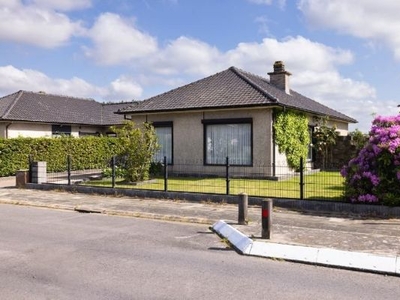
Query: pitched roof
x,y
48,108
231,88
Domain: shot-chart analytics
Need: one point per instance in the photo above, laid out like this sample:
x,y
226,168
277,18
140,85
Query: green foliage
x,y
324,137
86,152
138,145
156,168
119,172
358,139
291,136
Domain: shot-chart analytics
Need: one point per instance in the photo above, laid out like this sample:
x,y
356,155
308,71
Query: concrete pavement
x,y
347,233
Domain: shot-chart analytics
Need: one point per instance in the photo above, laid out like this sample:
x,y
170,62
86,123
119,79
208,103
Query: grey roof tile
x,y
231,88
49,108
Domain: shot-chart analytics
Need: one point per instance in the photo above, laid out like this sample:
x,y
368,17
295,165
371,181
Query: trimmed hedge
x,y
86,153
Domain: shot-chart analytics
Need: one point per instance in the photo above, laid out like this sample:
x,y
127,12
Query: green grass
x,y
321,185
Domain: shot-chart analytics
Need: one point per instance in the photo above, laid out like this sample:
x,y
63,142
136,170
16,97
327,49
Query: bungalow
x,y
229,114
29,114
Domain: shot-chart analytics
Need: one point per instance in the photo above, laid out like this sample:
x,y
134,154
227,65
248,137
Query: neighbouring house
x,y
29,114
229,114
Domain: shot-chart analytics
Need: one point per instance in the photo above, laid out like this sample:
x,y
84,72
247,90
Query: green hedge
x,y
86,153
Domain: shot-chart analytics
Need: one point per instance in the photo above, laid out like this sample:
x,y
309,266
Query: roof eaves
x,y
345,118
202,108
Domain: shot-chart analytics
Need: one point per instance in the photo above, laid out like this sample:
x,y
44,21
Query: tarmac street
x,y
59,254
350,233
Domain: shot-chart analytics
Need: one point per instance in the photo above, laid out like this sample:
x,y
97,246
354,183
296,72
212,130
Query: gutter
x,y
6,130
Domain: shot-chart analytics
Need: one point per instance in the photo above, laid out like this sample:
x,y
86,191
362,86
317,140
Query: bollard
x,y
242,205
266,218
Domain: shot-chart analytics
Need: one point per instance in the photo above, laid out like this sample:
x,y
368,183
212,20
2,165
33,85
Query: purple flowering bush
x,y
374,175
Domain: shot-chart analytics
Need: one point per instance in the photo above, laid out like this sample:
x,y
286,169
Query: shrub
x,y
86,153
119,172
138,145
374,175
156,169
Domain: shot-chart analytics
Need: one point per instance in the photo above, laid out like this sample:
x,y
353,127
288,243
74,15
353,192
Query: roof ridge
x,y
117,103
19,94
62,96
242,75
153,98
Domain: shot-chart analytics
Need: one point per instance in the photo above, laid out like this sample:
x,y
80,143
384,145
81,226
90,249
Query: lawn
x,y
321,185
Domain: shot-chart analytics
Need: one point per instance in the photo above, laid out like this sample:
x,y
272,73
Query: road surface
x,y
48,254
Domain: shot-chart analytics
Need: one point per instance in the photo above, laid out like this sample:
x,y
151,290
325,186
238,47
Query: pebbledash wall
x,y
38,130
188,140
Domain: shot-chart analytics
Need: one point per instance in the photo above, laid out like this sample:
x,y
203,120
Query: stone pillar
x,y
21,178
39,172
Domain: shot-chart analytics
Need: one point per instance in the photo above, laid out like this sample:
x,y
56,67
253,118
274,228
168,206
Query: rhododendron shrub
x,y
374,175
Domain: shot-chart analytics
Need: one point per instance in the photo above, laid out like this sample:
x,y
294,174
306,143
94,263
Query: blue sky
x,y
344,54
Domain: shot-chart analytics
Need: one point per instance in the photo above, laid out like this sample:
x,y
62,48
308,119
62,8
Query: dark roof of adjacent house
x,y
232,88
49,108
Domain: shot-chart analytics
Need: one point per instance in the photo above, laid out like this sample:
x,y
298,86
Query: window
x,y
164,136
228,138
83,133
57,130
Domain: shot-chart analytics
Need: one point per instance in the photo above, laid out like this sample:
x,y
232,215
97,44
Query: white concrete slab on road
x,y
321,256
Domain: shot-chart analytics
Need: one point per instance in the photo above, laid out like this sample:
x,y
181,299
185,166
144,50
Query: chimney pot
x,y
279,66
280,77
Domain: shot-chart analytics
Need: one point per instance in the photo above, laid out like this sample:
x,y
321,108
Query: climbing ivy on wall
x,y
292,136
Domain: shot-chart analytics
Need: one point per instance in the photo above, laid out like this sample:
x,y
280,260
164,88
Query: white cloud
x,y
263,23
375,21
117,41
185,55
124,88
63,5
298,52
35,26
14,79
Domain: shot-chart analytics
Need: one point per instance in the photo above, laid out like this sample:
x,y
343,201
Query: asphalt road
x,y
47,254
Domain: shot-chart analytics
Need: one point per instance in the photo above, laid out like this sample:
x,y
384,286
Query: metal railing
x,y
271,180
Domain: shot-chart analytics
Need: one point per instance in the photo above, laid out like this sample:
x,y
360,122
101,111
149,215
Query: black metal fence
x,y
271,180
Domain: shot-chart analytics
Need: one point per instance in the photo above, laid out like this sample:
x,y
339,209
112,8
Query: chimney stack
x,y
280,77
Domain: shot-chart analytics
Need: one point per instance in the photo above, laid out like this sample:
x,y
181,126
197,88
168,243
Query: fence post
x,y
301,179
69,169
266,219
165,174
113,171
243,211
227,176
30,161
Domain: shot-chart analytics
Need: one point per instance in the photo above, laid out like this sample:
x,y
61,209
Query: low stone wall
x,y
311,206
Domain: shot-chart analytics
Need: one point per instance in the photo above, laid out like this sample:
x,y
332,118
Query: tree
x,y
324,137
358,139
138,144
